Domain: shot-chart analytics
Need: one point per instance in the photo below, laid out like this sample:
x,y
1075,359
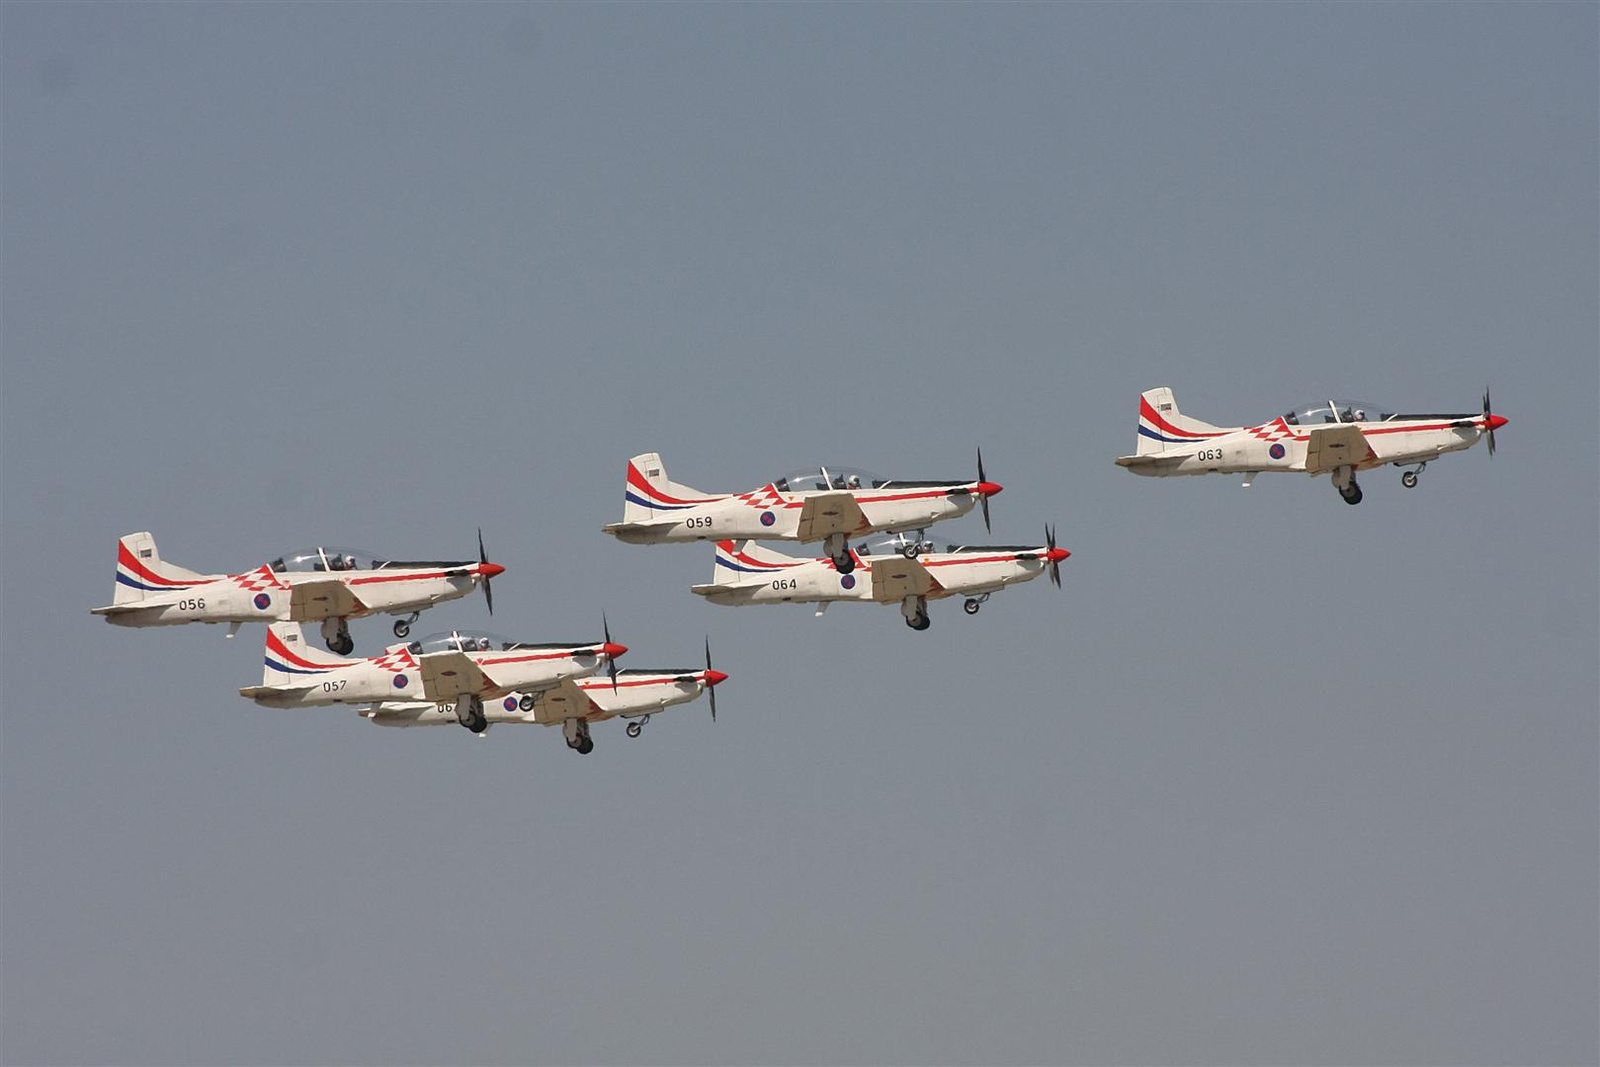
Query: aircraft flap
x,y
830,513
447,675
1336,446
895,578
311,601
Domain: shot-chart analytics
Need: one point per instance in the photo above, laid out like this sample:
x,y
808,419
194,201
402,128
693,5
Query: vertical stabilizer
x,y
1162,426
650,495
141,573
291,661
744,562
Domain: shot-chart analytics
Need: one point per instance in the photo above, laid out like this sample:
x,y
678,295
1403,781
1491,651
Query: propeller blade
x,y
483,557
709,686
984,498
1488,418
1055,564
611,661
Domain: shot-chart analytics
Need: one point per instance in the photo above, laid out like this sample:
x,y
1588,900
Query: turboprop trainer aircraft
x,y
824,504
1335,437
462,668
747,574
327,585
574,704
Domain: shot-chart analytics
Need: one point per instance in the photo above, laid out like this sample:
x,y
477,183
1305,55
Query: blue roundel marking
x,y
847,580
510,704
263,601
400,681
768,518
1276,451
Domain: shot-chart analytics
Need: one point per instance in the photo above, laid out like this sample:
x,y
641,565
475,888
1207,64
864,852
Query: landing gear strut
x,y
636,727
1409,478
576,732
336,635
837,546
402,627
915,609
1344,480
974,603
469,713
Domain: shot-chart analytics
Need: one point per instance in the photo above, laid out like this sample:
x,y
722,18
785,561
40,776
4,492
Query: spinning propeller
x,y
714,678
1054,555
1490,419
985,490
611,653
487,570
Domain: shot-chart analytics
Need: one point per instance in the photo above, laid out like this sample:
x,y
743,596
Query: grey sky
x,y
1275,780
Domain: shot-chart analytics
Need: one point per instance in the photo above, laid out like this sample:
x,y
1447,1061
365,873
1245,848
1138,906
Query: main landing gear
x,y
469,713
402,627
973,603
1409,478
1344,480
576,731
636,727
336,635
837,546
915,609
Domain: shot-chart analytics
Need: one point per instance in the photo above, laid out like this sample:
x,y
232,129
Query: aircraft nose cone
x,y
490,570
990,488
1056,555
715,677
1497,421
613,650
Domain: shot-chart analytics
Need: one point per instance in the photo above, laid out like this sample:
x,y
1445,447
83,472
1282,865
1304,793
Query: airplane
x,y
326,584
748,574
822,504
573,704
1334,437
462,668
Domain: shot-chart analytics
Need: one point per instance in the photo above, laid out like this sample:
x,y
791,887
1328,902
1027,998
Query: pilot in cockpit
x,y
853,482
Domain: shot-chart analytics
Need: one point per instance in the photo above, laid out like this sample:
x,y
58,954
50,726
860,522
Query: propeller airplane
x,y
326,584
827,505
1333,437
462,668
573,704
748,574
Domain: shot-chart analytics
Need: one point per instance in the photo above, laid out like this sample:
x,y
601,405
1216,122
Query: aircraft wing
x,y
830,513
895,578
323,599
1336,446
446,675
562,701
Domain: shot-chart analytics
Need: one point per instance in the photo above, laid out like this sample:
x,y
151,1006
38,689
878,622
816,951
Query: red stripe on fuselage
x,y
1154,417
637,480
275,644
127,559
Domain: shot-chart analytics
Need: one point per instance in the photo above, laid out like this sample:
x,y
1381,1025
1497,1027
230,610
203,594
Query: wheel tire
x,y
1409,479
402,629
342,646
634,729
1353,496
971,607
846,565
586,747
921,622
526,703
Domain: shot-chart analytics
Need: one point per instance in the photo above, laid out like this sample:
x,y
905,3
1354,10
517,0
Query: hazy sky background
x,y
1274,780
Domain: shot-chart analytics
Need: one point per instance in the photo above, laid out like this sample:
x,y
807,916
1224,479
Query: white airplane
x,y
821,504
573,704
327,585
462,668
748,574
1335,437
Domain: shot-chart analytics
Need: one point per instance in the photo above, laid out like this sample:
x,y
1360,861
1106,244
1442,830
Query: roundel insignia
x,y
768,518
400,681
848,581
1276,451
263,601
510,704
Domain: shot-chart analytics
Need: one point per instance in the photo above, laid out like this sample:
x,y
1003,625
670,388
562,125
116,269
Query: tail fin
x,y
743,562
291,661
1162,425
650,494
140,571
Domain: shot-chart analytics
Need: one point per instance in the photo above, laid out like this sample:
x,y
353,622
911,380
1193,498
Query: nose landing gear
x,y
636,727
1409,478
402,627
973,603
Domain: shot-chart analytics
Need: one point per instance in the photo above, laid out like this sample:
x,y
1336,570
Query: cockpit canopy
x,y
1328,411
820,479
479,641
325,558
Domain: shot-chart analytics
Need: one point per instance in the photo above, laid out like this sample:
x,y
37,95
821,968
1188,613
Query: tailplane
x,y
650,495
1162,426
141,572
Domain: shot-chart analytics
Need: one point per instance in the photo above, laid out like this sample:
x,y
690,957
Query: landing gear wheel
x,y
1409,479
585,746
402,629
526,703
1352,495
911,550
972,605
342,645
477,723
919,622
845,563
635,729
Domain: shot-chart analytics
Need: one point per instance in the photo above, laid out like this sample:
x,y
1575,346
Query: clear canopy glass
x,y
325,558
816,479
462,641
1335,411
